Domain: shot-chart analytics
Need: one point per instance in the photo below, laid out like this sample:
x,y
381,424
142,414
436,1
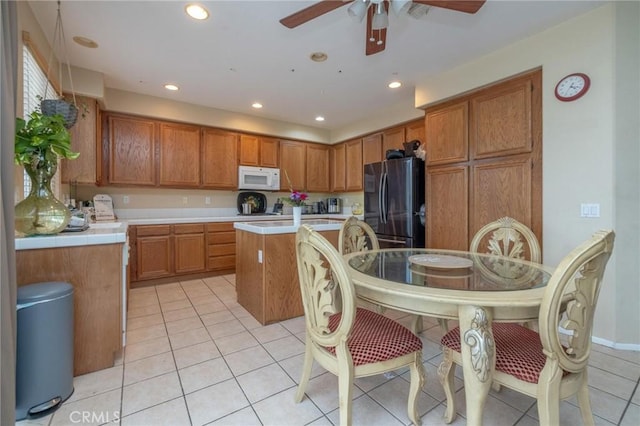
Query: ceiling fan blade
x,y
372,47
312,12
466,6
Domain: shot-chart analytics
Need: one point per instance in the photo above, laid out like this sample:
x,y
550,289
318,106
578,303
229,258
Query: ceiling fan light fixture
x,y
380,18
358,9
401,6
418,10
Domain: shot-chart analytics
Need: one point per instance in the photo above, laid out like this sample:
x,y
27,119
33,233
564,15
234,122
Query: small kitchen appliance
x,y
260,178
334,205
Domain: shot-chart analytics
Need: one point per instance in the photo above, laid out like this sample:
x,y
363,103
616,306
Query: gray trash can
x,y
44,358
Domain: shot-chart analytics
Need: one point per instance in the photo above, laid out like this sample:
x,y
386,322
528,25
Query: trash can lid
x,y
43,291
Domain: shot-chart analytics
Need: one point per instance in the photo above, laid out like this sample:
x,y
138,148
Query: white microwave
x,y
262,178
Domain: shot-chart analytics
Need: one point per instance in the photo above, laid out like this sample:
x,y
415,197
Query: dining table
x,y
473,288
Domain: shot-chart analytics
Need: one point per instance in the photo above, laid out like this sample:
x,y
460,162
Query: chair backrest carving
x,y
326,288
356,235
507,237
575,284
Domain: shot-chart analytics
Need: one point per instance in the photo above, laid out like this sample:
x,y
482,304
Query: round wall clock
x,y
572,87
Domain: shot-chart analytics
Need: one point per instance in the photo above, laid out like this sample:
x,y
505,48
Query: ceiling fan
x,y
377,14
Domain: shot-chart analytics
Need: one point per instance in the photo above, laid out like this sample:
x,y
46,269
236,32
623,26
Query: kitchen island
x,y
266,268
94,263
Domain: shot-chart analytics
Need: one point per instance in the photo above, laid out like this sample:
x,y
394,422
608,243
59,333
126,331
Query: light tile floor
x,y
194,356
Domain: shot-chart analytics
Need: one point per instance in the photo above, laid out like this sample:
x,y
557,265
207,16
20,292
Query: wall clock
x,y
572,87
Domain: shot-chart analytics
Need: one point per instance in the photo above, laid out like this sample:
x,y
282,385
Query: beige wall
x,y
582,152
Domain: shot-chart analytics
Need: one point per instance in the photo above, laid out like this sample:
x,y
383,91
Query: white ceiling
x,y
242,53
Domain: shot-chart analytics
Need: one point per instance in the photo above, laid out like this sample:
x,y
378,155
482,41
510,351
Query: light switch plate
x,y
589,210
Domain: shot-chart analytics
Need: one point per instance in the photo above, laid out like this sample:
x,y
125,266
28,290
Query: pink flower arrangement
x,y
297,198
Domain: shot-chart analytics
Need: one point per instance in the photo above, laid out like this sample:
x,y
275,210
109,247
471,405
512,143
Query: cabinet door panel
x,y
293,164
84,140
353,164
131,144
249,150
317,158
501,188
447,220
190,256
337,156
446,134
500,121
372,148
179,155
154,257
269,149
393,139
219,159
415,131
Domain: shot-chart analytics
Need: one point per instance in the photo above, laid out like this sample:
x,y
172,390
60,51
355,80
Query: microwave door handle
x,y
269,179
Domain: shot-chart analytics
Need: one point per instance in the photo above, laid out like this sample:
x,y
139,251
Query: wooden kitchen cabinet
x,y
189,243
258,151
85,140
415,131
372,148
221,246
219,159
447,215
353,165
317,158
393,139
337,166
293,164
179,155
153,252
130,145
447,133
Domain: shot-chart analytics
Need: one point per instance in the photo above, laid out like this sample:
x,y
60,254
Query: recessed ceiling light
x,y
256,105
319,118
86,42
394,84
318,56
171,87
197,12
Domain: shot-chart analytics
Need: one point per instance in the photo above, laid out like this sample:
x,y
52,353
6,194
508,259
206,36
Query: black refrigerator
x,y
394,201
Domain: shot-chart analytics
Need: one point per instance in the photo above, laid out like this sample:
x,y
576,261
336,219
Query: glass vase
x,y
40,213
297,215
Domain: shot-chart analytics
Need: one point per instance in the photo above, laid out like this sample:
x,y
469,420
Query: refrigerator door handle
x,y
380,192
384,198
392,241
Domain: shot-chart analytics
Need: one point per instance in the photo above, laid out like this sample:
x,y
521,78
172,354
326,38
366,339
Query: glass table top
x,y
450,269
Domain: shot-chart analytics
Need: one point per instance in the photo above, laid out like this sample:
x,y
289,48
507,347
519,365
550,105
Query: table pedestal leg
x,y
478,358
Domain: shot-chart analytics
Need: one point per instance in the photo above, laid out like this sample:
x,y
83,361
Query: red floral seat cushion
x,y
518,350
376,338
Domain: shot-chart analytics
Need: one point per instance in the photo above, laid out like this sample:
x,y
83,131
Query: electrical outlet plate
x,y
125,199
207,200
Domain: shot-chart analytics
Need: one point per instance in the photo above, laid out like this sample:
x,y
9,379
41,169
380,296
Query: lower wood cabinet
x,y
162,251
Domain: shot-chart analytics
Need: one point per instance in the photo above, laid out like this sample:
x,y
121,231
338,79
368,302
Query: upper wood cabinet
x,y
446,134
293,164
415,131
219,159
179,155
85,140
258,151
393,139
130,146
317,158
500,121
372,148
353,165
337,160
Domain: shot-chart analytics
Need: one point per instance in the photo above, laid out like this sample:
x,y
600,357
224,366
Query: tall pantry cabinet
x,y
484,161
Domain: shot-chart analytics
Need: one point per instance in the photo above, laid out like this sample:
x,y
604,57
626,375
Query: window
x,y
34,84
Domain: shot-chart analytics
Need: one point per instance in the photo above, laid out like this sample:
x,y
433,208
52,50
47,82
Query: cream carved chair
x,y
356,235
348,341
540,364
507,237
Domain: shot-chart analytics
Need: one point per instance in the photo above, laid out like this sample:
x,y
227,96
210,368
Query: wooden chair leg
x,y
417,326
306,372
417,382
446,374
584,403
444,325
345,393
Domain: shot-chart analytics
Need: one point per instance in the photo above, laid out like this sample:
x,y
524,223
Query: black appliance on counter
x,y
256,200
394,200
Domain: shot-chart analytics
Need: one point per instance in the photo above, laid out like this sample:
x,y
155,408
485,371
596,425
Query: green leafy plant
x,y
41,139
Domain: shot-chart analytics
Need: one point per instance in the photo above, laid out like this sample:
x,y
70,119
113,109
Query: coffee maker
x,y
334,205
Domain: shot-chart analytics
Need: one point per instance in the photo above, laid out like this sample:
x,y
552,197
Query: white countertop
x,y
98,233
235,218
287,226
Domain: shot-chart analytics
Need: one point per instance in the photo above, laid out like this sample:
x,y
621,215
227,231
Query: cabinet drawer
x,y
189,228
221,237
222,262
151,230
221,249
220,226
